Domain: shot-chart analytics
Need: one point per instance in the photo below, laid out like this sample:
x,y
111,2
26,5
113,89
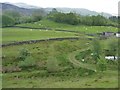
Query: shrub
x,y
101,65
9,69
28,62
24,53
96,49
52,65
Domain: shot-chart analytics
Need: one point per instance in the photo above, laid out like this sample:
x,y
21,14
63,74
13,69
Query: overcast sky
x,y
109,6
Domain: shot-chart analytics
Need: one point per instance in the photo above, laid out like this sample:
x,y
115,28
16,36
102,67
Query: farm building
x,y
118,34
108,34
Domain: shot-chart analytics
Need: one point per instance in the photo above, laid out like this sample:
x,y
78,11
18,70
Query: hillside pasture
x,y
69,76
80,28
19,34
53,64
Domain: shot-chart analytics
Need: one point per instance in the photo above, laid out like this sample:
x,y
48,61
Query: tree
x,y
86,20
71,18
99,20
13,14
54,10
37,15
26,19
114,18
7,21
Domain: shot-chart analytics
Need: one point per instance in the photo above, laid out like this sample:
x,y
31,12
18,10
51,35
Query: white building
x,y
118,35
111,58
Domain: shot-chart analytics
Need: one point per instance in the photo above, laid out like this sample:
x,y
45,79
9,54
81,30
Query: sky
x,y
108,6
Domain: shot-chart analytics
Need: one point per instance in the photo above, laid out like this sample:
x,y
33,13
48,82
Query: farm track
x,y
77,63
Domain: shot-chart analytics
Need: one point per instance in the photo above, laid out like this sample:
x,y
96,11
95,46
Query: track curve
x,y
78,64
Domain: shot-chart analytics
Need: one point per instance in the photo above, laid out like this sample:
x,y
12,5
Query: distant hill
x,y
28,9
24,5
24,11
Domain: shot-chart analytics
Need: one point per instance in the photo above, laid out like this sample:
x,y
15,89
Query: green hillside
x,y
19,34
81,28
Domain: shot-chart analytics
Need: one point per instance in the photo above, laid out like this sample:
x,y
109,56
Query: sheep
x,y
30,29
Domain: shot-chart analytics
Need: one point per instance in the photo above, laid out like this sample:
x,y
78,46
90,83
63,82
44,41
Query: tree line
x,y
10,18
76,19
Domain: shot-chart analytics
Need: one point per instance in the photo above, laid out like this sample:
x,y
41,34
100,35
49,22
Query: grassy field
x,y
80,28
19,34
107,79
39,77
53,64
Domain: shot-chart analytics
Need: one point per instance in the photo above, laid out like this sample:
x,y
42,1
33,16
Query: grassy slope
x,y
107,79
81,28
18,34
80,64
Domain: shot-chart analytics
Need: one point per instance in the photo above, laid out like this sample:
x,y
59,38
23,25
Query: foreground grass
x,y
107,79
81,28
39,78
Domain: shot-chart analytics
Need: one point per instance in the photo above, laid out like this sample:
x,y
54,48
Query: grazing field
x,y
20,34
106,79
58,47
61,73
80,28
58,64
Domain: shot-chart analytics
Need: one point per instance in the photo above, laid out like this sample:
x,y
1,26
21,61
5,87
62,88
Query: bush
x,y
9,69
96,49
52,65
24,53
28,62
101,65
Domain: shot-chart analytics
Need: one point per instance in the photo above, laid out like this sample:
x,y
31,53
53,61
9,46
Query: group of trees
x,y
94,20
74,19
69,18
10,18
7,21
114,19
